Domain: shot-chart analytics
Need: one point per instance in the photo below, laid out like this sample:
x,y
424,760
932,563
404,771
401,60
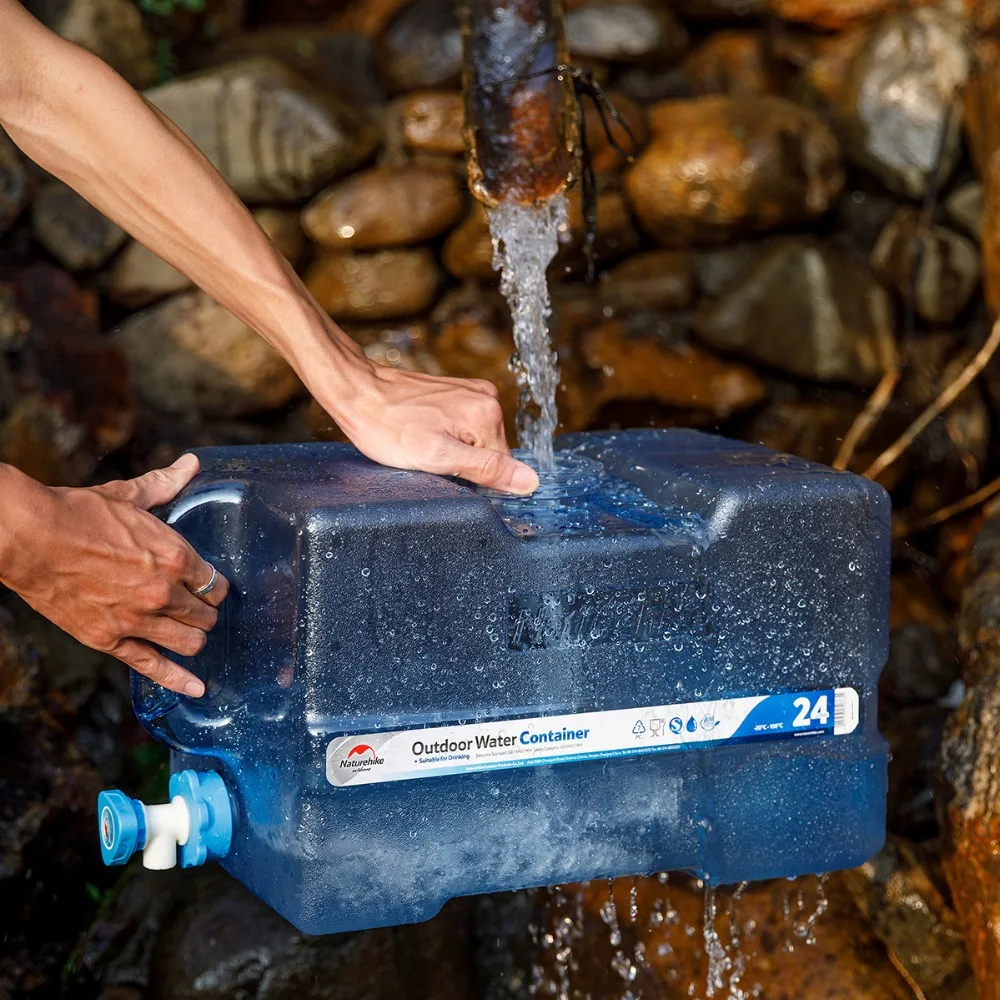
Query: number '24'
x,y
808,712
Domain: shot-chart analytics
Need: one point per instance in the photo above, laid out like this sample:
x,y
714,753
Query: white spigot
x,y
168,827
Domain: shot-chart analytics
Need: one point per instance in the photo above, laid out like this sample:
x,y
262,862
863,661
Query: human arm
x,y
95,563
79,120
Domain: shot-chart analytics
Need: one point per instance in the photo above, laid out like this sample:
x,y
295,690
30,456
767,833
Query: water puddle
x,y
525,241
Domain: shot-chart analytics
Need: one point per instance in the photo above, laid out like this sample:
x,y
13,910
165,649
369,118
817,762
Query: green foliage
x,y
165,62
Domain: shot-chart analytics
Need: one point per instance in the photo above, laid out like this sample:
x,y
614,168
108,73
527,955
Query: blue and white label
x,y
553,739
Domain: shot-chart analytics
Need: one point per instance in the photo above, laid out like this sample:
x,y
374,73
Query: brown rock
x,y
948,270
366,17
969,764
827,62
762,937
271,135
65,396
809,311
111,29
191,356
834,14
421,47
965,208
729,62
720,166
384,207
72,230
284,230
682,376
13,183
979,615
658,279
468,250
432,121
374,286
899,96
907,911
624,31
603,155
725,10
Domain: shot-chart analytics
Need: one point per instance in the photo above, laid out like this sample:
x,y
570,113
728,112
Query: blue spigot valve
x,y
196,825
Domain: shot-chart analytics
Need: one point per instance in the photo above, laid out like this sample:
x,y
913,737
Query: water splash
x,y
803,921
525,240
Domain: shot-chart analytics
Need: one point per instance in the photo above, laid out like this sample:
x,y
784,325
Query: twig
x,y
903,529
868,417
944,400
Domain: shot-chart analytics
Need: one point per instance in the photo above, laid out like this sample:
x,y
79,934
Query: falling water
x,y
525,240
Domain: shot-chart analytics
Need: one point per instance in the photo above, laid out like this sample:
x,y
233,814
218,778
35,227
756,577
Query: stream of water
x,y
525,241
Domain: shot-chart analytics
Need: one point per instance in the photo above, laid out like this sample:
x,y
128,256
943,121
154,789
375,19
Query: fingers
x,y
494,469
140,656
198,574
483,423
154,488
191,610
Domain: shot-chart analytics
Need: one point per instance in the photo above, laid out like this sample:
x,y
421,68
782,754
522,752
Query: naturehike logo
x,y
362,757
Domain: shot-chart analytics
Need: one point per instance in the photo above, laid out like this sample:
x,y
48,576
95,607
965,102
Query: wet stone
x,y
979,615
603,155
111,29
907,910
432,121
728,62
835,14
896,109
284,229
718,167
624,31
807,310
657,279
914,734
72,230
139,277
724,10
380,285
947,273
270,134
190,356
384,207
421,47
13,183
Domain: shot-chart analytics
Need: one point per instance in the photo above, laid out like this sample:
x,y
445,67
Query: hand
x,y
113,576
450,426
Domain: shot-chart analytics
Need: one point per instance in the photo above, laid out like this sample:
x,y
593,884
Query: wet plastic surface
x,y
368,599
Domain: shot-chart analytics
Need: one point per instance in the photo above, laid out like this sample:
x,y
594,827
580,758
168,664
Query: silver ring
x,y
202,591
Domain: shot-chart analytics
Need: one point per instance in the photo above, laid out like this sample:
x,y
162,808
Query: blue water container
x,y
667,659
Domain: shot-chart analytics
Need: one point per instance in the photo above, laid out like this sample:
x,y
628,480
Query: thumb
x,y
495,469
157,487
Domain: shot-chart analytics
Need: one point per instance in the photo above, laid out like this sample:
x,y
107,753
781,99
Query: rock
x,y
721,166
624,31
398,345
13,183
681,376
947,273
139,277
907,911
284,230
468,251
191,356
914,734
384,207
809,311
969,764
374,286
965,208
421,47
718,269
899,97
834,14
67,399
367,18
432,121
18,668
721,9
762,939
111,29
657,279
271,135
922,664
728,62
861,217
825,63
979,615
603,155
219,942
72,230
334,62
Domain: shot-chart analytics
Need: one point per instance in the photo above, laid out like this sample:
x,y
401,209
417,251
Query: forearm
x,y
19,495
80,121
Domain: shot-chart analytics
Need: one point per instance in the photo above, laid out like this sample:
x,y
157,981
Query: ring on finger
x,y
202,591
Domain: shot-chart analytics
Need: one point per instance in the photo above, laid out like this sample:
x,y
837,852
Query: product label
x,y
370,758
